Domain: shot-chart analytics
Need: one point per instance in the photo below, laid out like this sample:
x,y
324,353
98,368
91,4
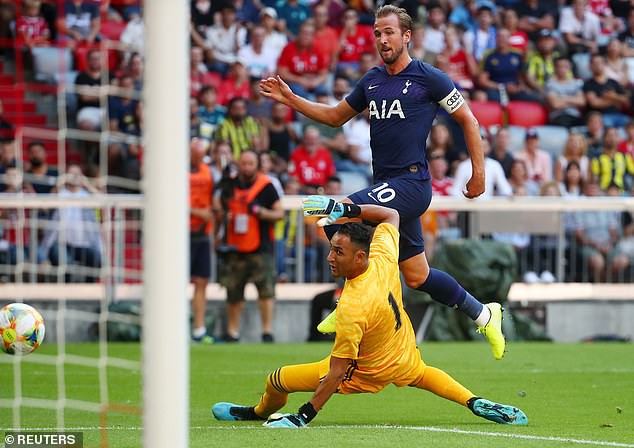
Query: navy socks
x,y
443,288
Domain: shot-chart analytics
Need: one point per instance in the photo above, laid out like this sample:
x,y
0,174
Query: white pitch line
x,y
410,428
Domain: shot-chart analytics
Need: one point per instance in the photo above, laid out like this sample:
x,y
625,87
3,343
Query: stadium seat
x,y
488,113
49,61
517,138
526,114
112,30
552,139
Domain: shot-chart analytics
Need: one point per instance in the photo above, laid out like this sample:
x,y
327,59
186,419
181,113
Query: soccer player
x,y
375,344
402,99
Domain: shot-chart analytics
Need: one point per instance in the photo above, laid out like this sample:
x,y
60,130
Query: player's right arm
x,y
279,91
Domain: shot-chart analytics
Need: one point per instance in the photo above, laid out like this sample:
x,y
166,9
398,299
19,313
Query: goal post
x,y
165,350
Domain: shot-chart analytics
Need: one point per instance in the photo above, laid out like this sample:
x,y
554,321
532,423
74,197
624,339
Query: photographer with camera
x,y
248,205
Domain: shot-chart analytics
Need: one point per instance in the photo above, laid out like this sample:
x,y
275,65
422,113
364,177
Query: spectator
x,y
292,14
302,67
464,14
7,131
259,106
197,127
518,39
358,152
612,167
519,179
627,36
201,187
564,96
502,68
534,17
440,139
133,35
122,165
135,70
326,38
580,28
434,37
31,28
80,23
610,24
78,232
479,40
260,60
311,163
605,95
202,18
623,254
247,12
39,176
221,159
236,85
572,183
442,185
501,150
615,66
538,162
89,111
210,111
354,40
495,180
574,151
266,167
274,39
627,145
594,134
122,108
197,70
252,205
540,64
281,133
416,47
239,130
461,66
224,40
596,233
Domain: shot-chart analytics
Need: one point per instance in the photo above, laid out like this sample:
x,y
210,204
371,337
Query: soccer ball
x,y
21,329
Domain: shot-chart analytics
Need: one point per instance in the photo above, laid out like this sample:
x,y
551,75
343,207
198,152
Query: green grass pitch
x,y
574,395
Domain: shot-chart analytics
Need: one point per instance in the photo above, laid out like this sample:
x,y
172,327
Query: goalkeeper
x,y
374,343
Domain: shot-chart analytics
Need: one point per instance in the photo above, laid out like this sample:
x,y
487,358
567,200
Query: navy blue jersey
x,y
402,108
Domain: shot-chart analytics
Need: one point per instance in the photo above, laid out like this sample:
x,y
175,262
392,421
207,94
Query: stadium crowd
x,y
567,66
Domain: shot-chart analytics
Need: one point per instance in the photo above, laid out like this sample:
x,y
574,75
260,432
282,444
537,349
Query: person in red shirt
x,y
236,85
627,145
326,38
354,40
31,28
302,66
311,163
461,66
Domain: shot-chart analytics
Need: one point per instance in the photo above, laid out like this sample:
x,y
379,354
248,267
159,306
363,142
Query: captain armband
x,y
452,102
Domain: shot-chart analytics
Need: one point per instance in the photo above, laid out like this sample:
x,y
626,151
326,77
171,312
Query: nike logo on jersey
x,y
373,87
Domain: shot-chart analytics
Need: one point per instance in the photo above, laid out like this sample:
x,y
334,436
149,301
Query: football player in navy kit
x,y
402,99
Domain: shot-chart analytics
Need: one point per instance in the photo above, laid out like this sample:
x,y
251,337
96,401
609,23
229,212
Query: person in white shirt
x,y
495,180
260,60
223,41
580,27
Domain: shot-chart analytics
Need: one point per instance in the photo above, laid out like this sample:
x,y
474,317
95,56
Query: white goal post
x,y
165,354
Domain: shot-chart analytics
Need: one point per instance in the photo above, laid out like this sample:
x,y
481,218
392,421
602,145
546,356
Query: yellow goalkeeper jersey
x,y
372,327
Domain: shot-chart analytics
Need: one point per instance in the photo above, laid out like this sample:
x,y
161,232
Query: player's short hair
x,y
360,234
404,20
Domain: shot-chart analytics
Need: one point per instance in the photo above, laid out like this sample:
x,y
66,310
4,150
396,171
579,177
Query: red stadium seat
x,y
526,114
488,113
112,30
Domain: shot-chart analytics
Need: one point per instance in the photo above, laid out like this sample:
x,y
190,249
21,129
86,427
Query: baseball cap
x,y
269,11
531,133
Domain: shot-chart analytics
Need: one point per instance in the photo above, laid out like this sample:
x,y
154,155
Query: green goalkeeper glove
x,y
329,208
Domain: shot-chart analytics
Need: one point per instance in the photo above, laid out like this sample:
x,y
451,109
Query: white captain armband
x,y
452,102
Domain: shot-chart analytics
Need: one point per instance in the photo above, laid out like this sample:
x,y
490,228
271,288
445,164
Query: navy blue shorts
x,y
410,196
200,257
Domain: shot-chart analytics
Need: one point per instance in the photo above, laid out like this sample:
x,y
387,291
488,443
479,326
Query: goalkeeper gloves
x,y
329,208
304,416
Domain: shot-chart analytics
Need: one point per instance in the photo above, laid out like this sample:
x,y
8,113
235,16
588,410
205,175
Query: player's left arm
x,y
471,129
331,382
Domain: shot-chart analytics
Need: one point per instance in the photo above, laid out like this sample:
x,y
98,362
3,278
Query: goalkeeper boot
x,y
328,324
229,412
493,330
496,412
